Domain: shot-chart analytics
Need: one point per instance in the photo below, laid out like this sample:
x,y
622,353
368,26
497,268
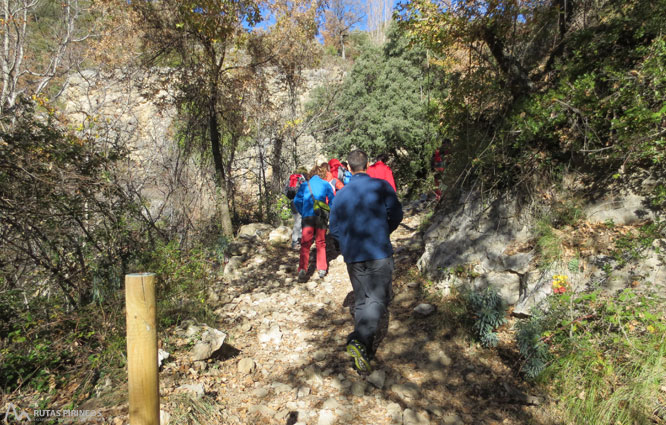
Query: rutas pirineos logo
x,y
15,415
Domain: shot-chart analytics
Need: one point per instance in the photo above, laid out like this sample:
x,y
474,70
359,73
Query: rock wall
x,y
135,109
477,242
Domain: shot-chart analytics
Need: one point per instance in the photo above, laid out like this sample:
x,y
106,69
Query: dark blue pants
x,y
371,281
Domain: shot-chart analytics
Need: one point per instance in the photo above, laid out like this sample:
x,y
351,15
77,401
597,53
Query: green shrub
x,y
532,348
489,311
602,356
548,243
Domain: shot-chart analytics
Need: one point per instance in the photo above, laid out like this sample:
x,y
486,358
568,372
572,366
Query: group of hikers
x,y
358,204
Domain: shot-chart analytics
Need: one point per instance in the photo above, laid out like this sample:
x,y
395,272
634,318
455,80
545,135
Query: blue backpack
x,y
344,175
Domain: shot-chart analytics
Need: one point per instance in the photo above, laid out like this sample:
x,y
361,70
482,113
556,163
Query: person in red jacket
x,y
382,171
332,176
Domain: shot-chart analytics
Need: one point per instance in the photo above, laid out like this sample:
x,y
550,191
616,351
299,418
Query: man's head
x,y
382,157
358,161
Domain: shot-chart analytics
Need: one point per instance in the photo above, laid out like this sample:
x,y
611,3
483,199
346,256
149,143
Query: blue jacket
x,y
363,215
321,190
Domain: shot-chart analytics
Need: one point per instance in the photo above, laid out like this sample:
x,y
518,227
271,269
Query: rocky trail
x,y
283,360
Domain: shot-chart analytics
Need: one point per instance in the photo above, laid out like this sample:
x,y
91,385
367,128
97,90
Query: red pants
x,y
306,242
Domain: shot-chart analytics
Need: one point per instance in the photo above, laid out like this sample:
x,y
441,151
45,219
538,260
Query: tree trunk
x,y
519,82
220,180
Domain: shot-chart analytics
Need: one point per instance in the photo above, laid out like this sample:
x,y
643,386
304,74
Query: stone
x,y
435,410
280,387
326,417
165,417
311,285
303,392
440,358
424,309
280,236
358,388
260,230
259,260
410,417
518,263
233,266
246,366
319,355
196,389
337,383
620,208
377,378
260,392
506,283
412,284
161,356
313,376
331,403
452,419
210,341
406,392
281,415
394,411
262,410
271,335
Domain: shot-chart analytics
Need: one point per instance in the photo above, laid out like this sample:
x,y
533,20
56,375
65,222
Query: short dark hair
x,y
381,157
358,160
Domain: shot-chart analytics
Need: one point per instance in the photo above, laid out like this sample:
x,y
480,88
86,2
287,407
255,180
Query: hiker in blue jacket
x,y
314,225
363,215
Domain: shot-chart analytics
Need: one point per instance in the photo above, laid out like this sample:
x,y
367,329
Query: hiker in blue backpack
x,y
312,201
344,174
290,191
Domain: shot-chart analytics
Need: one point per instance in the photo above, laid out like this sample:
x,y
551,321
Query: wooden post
x,y
144,397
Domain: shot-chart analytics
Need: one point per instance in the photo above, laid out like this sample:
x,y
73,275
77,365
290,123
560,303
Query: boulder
x,y
233,266
209,341
424,309
506,283
260,230
281,235
621,208
196,389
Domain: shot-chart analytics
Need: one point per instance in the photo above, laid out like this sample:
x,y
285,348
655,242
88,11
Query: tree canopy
x,y
382,107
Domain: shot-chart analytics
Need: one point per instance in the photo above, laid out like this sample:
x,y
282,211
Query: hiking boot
x,y
360,355
302,276
322,274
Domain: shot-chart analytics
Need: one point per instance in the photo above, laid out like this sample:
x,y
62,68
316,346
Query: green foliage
x,y
658,198
182,276
283,208
489,311
382,106
597,104
632,246
548,243
603,355
533,349
66,220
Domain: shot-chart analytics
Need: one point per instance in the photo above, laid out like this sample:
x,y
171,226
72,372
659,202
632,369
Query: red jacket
x,y
382,171
333,165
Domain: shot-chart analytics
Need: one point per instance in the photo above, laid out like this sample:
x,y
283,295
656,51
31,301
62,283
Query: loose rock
x,y
246,366
377,378
424,309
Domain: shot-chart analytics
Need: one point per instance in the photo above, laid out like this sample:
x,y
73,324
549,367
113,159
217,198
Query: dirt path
x,y
284,361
